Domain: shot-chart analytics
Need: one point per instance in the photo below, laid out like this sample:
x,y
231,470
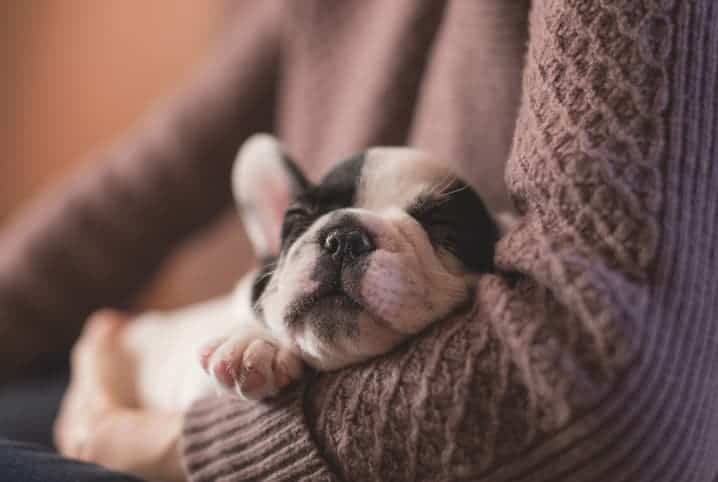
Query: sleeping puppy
x,y
387,243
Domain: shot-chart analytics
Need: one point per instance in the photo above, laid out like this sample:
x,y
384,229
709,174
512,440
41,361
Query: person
x,y
592,362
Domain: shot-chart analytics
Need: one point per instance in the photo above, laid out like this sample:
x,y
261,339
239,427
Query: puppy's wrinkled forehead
x,y
378,179
395,177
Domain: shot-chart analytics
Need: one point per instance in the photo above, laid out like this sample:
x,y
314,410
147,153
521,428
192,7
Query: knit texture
x,y
595,360
238,442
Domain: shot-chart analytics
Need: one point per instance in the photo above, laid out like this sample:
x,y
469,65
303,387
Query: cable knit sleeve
x,y
594,362
95,240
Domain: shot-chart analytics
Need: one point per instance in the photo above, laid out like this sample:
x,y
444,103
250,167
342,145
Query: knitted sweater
x,y
594,361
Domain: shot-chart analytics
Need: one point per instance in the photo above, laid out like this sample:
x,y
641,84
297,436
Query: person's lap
x,y
24,462
29,407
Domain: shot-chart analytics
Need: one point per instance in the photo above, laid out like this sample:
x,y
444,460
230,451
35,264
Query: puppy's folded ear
x,y
265,181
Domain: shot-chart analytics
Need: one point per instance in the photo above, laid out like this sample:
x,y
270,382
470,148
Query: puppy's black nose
x,y
347,244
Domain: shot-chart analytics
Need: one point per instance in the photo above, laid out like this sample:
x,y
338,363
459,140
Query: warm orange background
x,y
74,74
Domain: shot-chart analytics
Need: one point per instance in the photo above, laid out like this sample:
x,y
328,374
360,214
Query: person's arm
x,y
96,239
560,372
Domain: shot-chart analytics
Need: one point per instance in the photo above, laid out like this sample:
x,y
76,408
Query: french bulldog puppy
x,y
385,244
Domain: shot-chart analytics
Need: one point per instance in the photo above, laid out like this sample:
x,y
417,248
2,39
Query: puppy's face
x,y
388,242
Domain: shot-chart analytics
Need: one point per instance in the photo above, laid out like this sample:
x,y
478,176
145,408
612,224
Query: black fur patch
x,y
299,182
336,190
259,284
460,224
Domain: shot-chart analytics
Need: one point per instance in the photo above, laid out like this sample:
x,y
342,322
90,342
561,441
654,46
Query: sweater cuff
x,y
230,439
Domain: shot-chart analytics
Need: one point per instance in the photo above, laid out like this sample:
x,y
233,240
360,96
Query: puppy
x,y
387,243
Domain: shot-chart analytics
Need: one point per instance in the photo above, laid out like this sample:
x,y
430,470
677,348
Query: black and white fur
x,y
385,244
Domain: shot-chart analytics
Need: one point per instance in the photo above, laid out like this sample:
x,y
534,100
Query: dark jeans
x,y
28,408
27,411
23,462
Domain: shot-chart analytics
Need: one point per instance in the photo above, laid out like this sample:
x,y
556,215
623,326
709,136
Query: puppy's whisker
x,y
272,264
266,275
451,193
441,186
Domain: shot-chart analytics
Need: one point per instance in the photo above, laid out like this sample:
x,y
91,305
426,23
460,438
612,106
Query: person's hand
x,y
97,421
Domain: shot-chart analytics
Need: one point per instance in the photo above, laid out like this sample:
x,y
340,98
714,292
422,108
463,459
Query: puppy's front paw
x,y
252,368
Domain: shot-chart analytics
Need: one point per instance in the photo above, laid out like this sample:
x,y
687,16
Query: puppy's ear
x,y
265,181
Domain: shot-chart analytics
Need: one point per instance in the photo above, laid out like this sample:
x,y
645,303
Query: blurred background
x,y
75,74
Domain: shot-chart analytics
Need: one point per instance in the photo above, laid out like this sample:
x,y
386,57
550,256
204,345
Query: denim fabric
x,y
28,408
24,462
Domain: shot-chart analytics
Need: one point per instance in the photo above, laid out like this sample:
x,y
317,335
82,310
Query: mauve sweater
x,y
595,361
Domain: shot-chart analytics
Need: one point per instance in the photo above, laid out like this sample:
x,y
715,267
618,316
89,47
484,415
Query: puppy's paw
x,y
252,368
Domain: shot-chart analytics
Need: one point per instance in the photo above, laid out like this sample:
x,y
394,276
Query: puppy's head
x,y
386,243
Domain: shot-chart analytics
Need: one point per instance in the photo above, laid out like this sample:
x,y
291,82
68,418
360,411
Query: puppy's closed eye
x,y
439,226
296,220
445,217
